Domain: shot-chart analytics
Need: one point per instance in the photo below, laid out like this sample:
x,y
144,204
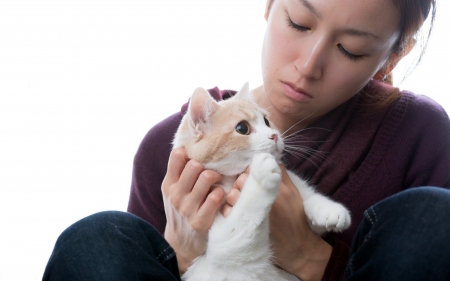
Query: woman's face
x,y
317,54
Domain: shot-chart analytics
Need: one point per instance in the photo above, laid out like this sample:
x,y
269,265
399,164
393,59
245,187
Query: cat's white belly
x,y
239,245
202,271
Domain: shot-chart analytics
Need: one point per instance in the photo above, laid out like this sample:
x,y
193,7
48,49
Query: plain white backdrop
x,y
81,82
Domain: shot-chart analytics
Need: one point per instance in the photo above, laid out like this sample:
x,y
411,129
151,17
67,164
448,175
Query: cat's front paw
x,y
266,171
327,216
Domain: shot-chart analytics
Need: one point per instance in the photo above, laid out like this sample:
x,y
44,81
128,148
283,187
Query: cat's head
x,y
225,135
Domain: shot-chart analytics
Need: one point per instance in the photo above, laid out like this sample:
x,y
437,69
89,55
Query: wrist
x,y
187,247
310,265
182,261
183,264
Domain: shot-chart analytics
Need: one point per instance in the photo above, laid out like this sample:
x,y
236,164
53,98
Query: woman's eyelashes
x,y
296,26
346,53
349,55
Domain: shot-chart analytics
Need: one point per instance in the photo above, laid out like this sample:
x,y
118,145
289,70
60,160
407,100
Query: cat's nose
x,y
274,137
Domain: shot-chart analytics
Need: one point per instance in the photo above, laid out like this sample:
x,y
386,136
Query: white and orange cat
x,y
229,136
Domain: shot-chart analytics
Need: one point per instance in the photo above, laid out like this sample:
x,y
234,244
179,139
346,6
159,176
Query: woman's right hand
x,y
190,202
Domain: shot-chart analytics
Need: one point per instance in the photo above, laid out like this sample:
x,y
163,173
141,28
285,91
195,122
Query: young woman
x,y
370,145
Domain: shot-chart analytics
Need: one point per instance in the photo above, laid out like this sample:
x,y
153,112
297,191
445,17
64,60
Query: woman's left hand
x,y
297,249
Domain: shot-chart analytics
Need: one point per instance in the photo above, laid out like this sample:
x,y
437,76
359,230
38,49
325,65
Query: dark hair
x,y
413,14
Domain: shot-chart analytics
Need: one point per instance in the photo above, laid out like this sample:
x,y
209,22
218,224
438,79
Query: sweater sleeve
x,y
338,261
149,169
426,128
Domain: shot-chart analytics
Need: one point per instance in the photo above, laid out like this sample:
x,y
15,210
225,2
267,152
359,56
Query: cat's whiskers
x,y
302,156
303,141
266,95
302,130
308,154
297,123
309,151
295,145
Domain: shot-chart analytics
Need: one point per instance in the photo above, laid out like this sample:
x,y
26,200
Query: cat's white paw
x,y
330,216
265,170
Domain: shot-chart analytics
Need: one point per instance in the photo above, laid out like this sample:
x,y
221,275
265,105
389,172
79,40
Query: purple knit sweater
x,y
358,159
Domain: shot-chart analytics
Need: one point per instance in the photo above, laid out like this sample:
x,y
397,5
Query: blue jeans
x,y
404,237
112,246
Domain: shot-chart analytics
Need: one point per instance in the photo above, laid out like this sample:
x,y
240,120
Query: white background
x,y
81,82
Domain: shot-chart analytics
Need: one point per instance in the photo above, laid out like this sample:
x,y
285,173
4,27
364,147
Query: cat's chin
x,y
277,154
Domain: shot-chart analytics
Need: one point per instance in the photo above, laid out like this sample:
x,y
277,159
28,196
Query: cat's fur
x,y
238,246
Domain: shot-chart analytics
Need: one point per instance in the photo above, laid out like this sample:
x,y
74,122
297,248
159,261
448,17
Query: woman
x,y
321,62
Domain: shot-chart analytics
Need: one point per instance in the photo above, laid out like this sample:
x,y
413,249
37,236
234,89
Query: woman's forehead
x,y
360,17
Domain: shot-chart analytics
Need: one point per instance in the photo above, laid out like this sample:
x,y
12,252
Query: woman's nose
x,y
311,61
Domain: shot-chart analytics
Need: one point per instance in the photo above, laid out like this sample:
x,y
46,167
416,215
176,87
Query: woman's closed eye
x,y
346,53
349,55
296,26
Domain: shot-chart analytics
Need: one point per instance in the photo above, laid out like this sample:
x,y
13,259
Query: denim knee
x,y
111,245
404,237
97,229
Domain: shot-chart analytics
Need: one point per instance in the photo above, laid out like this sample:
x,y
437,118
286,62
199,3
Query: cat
x,y
228,136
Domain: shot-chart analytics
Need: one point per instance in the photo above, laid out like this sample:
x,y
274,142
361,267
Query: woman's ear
x,y
383,73
392,62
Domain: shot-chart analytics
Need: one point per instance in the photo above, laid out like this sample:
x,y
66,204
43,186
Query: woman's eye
x,y
243,128
296,26
266,121
348,54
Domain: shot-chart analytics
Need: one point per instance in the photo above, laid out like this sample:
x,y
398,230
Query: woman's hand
x,y
191,202
296,248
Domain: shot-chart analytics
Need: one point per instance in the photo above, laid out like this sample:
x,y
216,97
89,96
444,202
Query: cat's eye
x,y
243,128
266,121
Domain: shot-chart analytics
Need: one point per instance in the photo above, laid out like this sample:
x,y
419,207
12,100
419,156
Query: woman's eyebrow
x,y
311,8
359,33
350,31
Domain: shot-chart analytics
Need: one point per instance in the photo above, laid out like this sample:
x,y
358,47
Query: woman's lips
x,y
293,93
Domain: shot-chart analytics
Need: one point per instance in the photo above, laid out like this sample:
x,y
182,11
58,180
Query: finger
x,y
202,187
285,178
283,171
189,176
240,181
177,161
225,210
232,196
208,210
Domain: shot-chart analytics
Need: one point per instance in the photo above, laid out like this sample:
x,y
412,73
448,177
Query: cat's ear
x,y
244,93
201,105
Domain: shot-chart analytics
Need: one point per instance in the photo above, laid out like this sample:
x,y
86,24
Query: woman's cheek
x,y
350,79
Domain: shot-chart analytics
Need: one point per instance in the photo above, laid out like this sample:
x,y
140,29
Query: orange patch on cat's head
x,y
218,137
208,130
